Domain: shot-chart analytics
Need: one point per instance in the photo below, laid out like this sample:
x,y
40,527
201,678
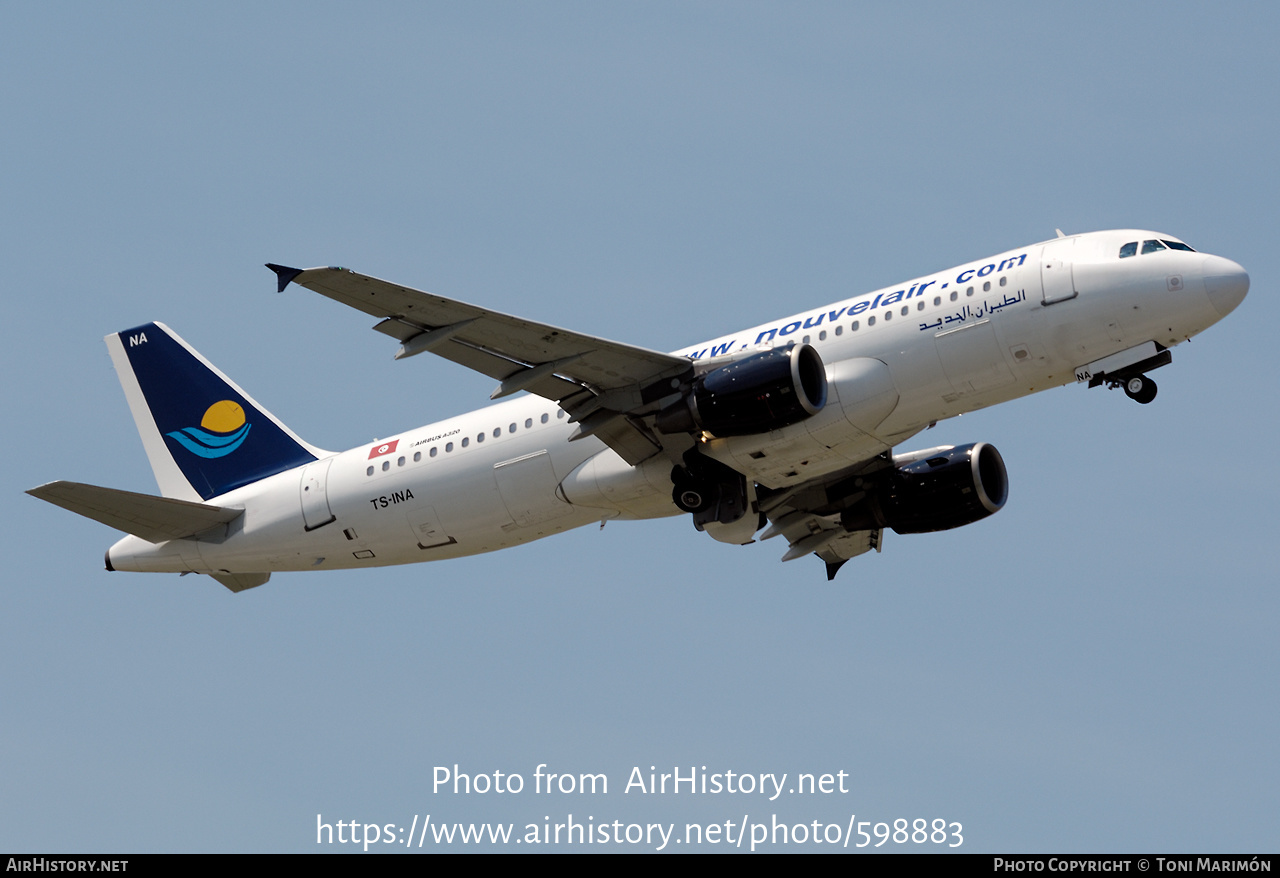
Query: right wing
x,y
839,516
809,515
808,532
606,387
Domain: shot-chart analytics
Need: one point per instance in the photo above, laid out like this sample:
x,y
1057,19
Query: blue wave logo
x,y
222,430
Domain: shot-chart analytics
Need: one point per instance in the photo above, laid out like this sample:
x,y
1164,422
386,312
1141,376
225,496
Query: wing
x,y
809,533
606,387
839,516
809,516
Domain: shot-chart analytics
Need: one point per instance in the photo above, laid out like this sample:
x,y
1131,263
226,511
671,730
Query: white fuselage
x,y
938,346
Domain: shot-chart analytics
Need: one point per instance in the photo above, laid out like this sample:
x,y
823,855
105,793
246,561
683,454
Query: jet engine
x,y
763,392
949,488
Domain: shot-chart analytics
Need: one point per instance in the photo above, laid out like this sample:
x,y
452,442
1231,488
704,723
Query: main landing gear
x,y
709,490
690,495
721,501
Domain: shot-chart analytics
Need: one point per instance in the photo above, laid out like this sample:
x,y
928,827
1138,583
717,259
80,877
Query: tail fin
x,y
203,435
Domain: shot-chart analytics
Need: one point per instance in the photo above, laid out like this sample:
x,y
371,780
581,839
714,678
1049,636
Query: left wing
x,y
605,386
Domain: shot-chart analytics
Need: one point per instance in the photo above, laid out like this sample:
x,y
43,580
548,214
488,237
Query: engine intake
x,y
766,391
948,489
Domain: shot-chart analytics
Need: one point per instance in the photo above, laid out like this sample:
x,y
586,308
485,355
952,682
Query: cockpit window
x,y
1130,249
1176,245
1152,246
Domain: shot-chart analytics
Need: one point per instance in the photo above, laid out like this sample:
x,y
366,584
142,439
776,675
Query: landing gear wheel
x,y
692,496
1140,389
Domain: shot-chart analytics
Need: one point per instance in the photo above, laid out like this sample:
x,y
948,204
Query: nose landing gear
x,y
1128,370
1139,388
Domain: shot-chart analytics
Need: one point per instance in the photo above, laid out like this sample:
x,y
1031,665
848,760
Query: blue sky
x,y
1092,669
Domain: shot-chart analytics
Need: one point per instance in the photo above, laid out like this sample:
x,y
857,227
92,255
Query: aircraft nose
x,y
1226,282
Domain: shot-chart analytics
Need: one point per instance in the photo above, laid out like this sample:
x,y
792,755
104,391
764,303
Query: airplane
x,y
789,427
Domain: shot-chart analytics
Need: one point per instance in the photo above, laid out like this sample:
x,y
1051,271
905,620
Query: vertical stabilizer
x,y
203,435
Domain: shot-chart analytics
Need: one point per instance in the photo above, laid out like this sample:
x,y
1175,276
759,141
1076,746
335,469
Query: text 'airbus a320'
x,y
788,427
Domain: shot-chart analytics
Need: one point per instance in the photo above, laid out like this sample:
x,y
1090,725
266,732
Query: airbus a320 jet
x,y
787,429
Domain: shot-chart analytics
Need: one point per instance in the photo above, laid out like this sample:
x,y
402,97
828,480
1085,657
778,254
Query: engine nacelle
x,y
766,391
949,488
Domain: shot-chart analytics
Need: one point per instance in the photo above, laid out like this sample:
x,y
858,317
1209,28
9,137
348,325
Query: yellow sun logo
x,y
223,417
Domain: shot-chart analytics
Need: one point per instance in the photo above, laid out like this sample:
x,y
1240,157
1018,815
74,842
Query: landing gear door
x,y
315,496
1056,275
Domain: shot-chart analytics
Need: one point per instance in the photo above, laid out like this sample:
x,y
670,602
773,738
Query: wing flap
x,y
154,519
633,444
851,545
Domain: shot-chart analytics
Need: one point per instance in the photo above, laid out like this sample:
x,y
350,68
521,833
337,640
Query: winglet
x,y
284,275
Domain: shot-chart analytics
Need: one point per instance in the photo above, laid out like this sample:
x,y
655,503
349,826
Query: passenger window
x,y
479,437
1130,249
528,422
433,451
386,465
839,330
986,287
544,418
854,327
448,446
369,471
1151,247
937,300
466,440
871,321
1003,281
417,456
511,428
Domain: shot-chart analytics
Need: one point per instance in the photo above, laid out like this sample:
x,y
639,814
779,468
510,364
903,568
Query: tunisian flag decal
x,y
384,448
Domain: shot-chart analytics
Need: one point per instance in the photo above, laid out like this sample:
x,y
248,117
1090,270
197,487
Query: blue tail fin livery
x,y
203,434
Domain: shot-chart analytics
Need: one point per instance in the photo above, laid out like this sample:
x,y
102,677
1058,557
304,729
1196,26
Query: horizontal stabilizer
x,y
154,519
